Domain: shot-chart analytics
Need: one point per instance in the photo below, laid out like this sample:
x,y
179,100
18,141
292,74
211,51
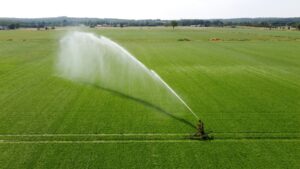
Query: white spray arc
x,y
100,61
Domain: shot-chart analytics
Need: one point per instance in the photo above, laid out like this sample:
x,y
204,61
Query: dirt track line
x,y
94,141
139,137
139,134
135,141
83,135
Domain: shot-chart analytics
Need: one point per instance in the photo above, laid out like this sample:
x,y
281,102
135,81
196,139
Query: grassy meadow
x,y
244,83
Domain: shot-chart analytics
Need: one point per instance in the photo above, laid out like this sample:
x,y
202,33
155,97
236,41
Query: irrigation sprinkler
x,y
200,134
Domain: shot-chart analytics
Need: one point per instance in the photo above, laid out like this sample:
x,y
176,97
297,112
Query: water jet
x,y
100,61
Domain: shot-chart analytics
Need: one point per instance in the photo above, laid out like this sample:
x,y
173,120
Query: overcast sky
x,y
154,9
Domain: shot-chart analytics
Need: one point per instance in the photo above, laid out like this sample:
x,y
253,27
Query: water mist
x,y
95,60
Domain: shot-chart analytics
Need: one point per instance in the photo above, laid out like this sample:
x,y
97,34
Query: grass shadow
x,y
147,104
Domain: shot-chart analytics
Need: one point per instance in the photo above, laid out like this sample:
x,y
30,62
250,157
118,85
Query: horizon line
x,y
270,17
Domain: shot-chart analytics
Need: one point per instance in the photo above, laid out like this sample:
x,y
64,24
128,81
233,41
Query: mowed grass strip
x,y
218,154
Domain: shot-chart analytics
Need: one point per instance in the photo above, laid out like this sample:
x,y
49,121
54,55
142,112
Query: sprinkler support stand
x,y
200,134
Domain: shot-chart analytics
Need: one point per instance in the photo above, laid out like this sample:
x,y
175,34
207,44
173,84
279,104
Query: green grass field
x,y
245,87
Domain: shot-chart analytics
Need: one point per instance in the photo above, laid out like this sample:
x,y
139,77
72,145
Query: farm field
x,y
244,83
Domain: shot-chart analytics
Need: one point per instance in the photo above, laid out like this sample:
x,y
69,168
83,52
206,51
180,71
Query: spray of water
x,y
175,94
99,61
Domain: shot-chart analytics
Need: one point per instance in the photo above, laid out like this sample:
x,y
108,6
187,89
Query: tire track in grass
x,y
136,141
95,142
142,137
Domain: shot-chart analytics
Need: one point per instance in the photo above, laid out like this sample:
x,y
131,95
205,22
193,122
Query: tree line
x,y
14,23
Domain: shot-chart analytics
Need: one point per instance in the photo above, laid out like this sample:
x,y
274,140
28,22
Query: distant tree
x,y
174,24
218,23
53,27
12,26
46,28
65,22
298,27
207,23
42,24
